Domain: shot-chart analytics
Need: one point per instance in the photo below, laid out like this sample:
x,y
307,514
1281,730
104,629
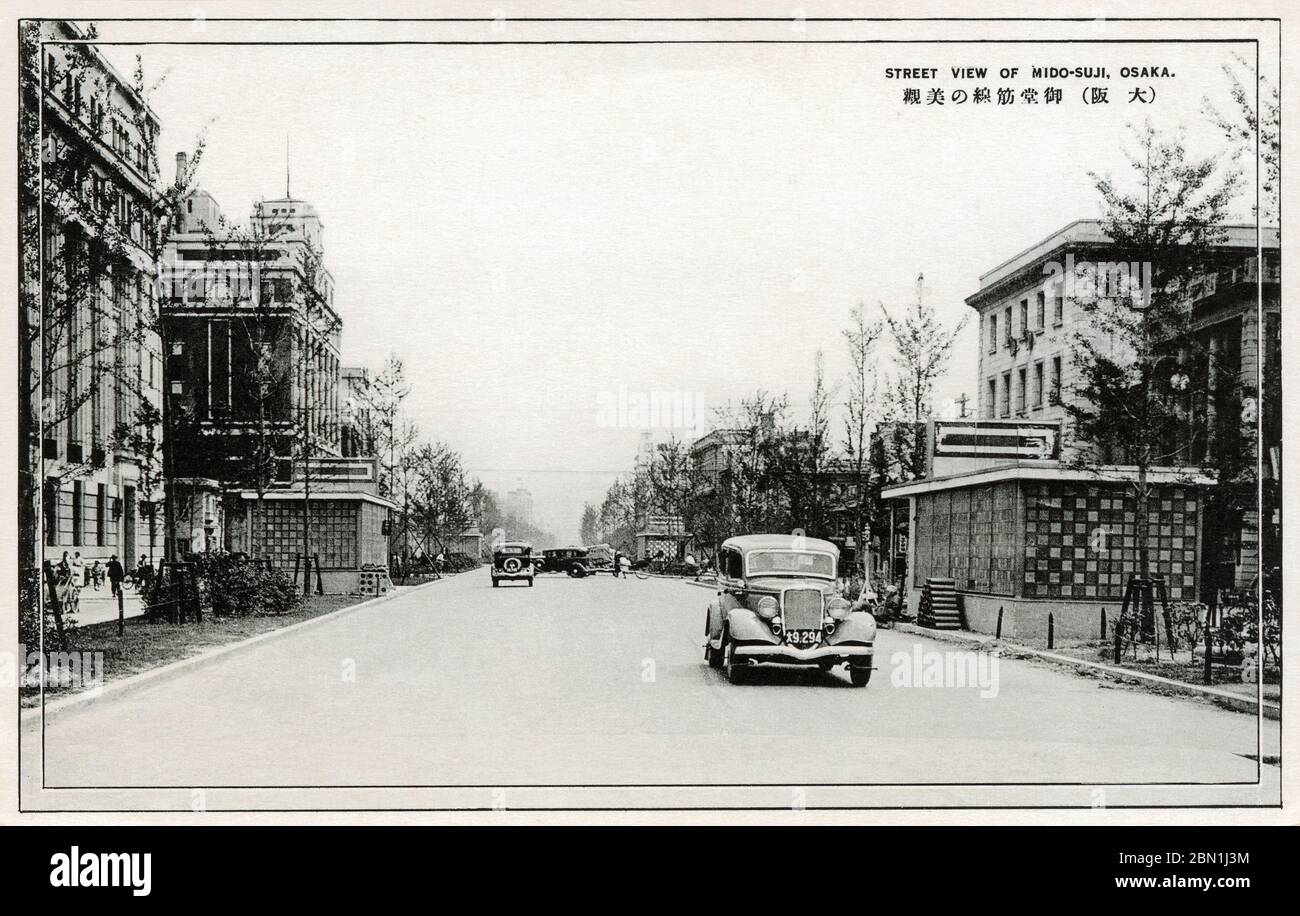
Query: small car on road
x,y
512,561
778,604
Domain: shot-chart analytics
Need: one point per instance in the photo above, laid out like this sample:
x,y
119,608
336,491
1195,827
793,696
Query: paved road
x,y
601,681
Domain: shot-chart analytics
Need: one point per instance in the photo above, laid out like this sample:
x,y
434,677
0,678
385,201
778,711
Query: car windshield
x,y
790,563
510,550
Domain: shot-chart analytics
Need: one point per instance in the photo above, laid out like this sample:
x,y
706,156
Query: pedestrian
x,y
97,575
78,570
115,575
64,570
618,563
894,607
142,571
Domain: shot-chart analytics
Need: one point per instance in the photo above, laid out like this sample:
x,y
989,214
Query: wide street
x,y
601,682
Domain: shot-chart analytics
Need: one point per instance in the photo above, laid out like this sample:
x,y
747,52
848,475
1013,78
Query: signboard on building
x,y
959,446
997,439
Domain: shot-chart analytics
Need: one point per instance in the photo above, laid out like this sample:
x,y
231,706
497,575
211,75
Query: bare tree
x,y
862,413
922,349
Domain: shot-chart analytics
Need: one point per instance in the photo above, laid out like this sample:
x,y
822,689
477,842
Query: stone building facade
x,y
96,355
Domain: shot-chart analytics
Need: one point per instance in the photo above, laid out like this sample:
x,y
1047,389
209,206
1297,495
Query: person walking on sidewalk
x,y
115,575
76,580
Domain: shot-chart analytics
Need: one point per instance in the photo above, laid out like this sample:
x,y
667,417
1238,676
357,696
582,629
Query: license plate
x,y
803,638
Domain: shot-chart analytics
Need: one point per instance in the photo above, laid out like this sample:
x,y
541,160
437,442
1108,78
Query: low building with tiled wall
x,y
1037,539
346,523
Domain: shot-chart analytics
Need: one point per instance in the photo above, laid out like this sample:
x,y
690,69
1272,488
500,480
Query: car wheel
x,y
713,656
530,583
859,677
496,583
736,672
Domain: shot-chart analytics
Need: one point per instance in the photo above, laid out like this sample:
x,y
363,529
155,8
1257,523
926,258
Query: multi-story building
x,y
1005,513
91,357
254,385
252,336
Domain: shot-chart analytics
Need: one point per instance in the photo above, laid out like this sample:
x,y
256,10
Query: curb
x,y
1225,698
181,666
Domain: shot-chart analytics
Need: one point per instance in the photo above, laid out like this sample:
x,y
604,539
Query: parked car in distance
x,y
777,604
512,561
572,561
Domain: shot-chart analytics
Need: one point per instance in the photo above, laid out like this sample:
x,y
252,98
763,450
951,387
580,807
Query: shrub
x,y
1239,625
235,586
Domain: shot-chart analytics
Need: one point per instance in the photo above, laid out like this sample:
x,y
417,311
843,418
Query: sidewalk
x,y
100,606
1230,698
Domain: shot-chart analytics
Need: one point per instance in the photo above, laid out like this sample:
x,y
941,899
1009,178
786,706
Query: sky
x,y
540,231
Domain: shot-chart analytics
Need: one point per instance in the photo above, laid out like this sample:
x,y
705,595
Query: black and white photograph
x,y
665,412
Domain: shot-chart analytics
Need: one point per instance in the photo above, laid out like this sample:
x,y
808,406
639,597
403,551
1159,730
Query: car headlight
x,y
767,607
837,608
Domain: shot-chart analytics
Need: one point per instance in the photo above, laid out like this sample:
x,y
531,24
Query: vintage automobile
x,y
777,604
512,561
572,561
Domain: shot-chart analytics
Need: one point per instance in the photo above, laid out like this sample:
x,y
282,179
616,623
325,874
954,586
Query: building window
x,y
1020,393
101,510
1038,384
993,332
1024,317
77,508
1042,311
1058,308
1006,394
51,507
1006,331
1055,395
991,402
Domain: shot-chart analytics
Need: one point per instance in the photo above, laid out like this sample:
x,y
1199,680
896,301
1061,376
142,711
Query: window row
x,y
1029,320
1033,386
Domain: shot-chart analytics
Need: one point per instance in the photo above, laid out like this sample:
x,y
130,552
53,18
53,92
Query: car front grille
x,y
801,609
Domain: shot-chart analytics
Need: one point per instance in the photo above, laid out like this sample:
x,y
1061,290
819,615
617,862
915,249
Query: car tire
x,y
736,673
530,582
713,656
496,582
859,676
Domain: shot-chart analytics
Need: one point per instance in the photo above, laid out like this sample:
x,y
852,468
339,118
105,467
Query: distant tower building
x,y
645,452
519,503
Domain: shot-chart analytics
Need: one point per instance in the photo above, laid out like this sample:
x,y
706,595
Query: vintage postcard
x,y
659,411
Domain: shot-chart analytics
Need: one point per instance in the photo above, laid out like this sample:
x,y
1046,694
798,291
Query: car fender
x,y
746,626
717,615
858,627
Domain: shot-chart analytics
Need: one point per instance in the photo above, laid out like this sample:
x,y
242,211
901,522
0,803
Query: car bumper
x,y
506,575
789,655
